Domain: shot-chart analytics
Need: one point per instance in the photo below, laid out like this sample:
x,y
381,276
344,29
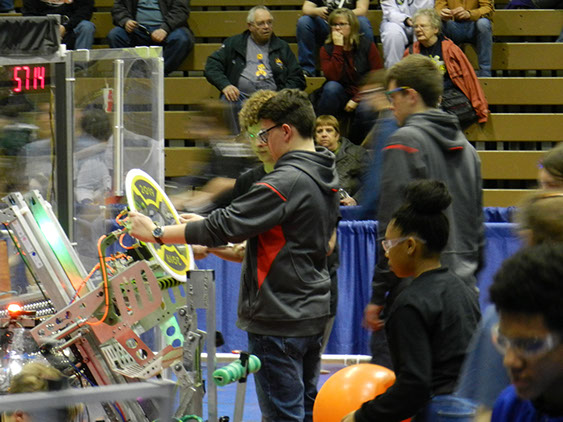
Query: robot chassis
x,y
99,327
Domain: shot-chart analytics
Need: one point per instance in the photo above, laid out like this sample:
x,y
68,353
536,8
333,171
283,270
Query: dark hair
x,y
530,282
552,162
422,214
291,106
96,122
419,73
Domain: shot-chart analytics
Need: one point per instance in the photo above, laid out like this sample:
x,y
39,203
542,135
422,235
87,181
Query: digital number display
x,y
28,78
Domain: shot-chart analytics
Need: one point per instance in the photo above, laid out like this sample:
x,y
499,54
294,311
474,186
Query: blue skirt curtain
x,y
358,248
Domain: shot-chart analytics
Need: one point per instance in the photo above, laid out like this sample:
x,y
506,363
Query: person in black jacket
x,y
432,320
154,22
77,32
253,60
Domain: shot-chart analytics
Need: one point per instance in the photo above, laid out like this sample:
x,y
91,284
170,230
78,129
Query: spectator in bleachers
x,y
253,60
550,174
154,22
459,76
346,57
76,30
429,144
313,27
470,21
528,294
351,160
397,27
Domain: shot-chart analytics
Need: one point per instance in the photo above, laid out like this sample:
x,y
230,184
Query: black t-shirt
x,y
247,179
336,4
434,52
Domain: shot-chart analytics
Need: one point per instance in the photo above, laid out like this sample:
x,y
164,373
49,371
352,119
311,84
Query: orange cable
x,y
105,280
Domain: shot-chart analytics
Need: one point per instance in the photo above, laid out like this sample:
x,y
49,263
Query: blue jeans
x,y
446,408
312,32
84,33
333,99
176,46
479,33
286,385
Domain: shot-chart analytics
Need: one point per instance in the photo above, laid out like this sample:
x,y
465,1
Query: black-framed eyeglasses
x,y
399,89
263,134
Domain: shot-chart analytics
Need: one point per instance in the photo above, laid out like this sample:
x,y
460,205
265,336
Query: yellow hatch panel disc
x,y
144,195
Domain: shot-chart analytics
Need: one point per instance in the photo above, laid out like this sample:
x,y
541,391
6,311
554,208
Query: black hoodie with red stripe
x,y
430,145
288,218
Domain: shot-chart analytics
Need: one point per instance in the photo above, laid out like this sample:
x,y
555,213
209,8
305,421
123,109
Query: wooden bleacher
x,y
525,96
220,24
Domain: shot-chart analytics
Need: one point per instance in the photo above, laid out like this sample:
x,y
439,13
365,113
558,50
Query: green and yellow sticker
x,y
144,195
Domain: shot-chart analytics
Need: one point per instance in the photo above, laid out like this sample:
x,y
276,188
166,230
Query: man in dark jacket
x,y
77,32
253,60
154,22
289,218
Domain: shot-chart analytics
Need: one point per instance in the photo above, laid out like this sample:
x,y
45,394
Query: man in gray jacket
x,y
429,144
289,218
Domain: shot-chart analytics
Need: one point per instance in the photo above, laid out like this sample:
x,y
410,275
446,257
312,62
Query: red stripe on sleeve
x,y
274,189
410,150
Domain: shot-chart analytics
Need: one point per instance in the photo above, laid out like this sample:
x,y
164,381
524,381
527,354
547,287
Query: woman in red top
x,y
345,58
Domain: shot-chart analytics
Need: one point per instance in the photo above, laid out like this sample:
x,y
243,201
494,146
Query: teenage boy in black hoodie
x,y
289,219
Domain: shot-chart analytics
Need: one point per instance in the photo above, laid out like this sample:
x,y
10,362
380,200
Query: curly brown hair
x,y
248,115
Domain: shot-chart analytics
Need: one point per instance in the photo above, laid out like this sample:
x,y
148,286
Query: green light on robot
x,y
53,237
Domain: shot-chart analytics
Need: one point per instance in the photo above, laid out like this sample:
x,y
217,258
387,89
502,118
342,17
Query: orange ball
x,y
348,389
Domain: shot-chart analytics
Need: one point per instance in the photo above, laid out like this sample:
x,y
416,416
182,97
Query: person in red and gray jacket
x,y
289,218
